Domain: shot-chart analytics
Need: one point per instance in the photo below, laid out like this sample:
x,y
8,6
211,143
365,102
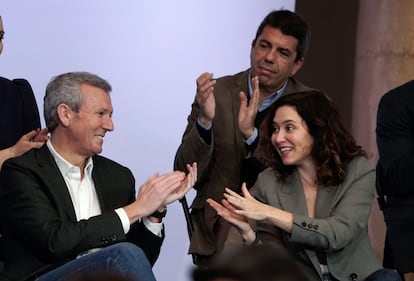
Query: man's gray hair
x,y
66,88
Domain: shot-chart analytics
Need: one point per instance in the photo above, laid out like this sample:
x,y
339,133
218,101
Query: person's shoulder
x,y
104,162
5,83
268,174
18,85
111,170
4,80
400,92
358,165
21,83
295,86
25,160
232,77
17,82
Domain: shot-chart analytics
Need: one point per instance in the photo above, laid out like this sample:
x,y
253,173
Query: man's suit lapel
x,y
100,185
55,182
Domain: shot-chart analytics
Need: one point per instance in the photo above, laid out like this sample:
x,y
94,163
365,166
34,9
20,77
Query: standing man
x,y
395,140
65,209
226,131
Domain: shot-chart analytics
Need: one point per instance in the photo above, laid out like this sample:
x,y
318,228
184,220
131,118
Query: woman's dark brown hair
x,y
333,145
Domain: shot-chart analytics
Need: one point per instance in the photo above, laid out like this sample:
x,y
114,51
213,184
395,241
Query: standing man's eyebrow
x,y
264,41
284,50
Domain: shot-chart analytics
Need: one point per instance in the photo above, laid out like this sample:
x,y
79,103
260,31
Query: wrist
x,y
11,152
159,214
247,134
206,122
250,237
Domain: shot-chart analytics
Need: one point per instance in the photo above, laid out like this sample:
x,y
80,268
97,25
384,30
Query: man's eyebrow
x,y
264,41
284,49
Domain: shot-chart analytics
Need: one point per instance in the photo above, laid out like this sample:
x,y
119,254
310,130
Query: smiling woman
x,y
316,198
291,137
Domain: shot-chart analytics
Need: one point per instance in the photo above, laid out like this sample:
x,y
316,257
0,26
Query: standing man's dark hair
x,y
290,24
226,127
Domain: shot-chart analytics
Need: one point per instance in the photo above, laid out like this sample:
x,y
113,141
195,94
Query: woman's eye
x,y
289,128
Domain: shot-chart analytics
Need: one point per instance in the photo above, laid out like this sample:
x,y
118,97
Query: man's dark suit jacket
x,y
39,221
395,140
18,111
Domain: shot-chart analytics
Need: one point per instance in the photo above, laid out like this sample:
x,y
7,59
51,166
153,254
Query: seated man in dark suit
x,y
69,210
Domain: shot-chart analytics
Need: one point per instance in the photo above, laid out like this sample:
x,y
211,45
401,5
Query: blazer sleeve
x,y
193,148
117,191
395,140
31,119
349,212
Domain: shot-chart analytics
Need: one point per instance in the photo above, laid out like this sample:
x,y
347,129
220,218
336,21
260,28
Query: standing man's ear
x,y
297,65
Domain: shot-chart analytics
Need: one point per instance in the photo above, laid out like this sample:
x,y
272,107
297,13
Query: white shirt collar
x,y
64,166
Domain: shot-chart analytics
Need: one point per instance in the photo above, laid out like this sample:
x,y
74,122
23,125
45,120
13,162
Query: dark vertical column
x,y
329,64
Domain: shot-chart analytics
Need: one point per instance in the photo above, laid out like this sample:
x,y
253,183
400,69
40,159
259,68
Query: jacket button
x,y
310,225
104,240
315,226
304,223
353,277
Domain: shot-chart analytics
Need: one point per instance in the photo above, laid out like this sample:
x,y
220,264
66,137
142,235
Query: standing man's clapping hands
x,y
205,98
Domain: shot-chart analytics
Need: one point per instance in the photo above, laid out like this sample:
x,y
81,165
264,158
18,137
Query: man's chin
x,y
98,150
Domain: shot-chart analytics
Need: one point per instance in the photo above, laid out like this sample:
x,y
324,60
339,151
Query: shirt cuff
x,y
253,137
204,127
155,228
124,219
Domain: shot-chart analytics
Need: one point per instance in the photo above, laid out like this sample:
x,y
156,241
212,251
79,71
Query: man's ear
x,y
65,114
297,65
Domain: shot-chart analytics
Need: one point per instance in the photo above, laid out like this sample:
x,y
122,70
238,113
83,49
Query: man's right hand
x,y
205,98
160,190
